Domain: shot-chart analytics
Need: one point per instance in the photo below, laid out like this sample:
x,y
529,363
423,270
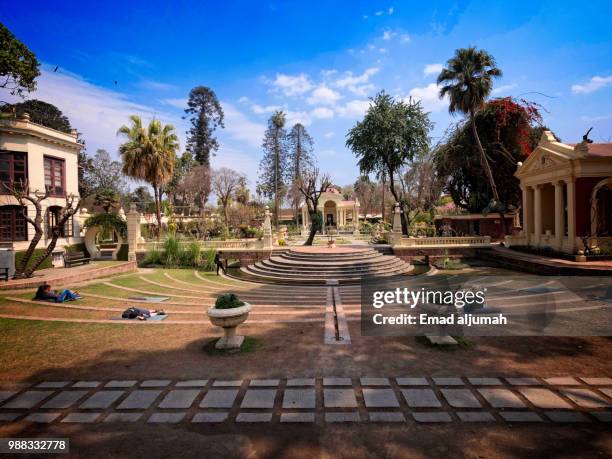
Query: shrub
x,y
153,257
80,247
37,253
172,251
281,242
191,255
208,260
122,255
228,301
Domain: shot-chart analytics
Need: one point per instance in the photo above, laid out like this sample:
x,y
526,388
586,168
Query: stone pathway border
x,y
405,399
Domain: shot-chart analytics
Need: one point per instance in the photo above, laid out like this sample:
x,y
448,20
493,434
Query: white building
x,y
338,213
46,159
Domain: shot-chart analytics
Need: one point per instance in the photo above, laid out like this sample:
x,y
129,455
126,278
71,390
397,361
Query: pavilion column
x,y
537,213
527,204
559,215
571,214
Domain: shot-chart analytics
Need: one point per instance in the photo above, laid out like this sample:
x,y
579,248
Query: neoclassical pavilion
x,y
337,213
567,195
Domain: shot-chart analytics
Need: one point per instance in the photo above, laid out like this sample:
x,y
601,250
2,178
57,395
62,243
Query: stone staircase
x,y
318,266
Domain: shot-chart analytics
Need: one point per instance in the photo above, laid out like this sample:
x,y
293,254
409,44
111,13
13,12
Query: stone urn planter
x,y
229,319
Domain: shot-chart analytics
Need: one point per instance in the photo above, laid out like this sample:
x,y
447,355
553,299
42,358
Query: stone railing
x,y
459,241
514,240
229,244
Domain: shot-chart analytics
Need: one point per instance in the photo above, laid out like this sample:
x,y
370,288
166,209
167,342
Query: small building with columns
x,y
338,213
566,195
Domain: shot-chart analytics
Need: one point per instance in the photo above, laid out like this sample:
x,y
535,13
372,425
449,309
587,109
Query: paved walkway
x,y
312,400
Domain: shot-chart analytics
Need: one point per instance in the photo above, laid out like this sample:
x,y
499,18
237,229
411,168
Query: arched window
x,y
53,217
13,225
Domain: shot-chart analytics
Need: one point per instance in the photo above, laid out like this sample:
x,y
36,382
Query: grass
x,y
249,344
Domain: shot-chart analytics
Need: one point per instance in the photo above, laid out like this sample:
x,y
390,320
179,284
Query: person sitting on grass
x,y
141,313
219,263
45,293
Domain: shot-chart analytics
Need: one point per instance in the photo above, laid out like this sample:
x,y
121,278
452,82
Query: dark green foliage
x,y
122,255
228,301
41,113
80,247
37,253
18,65
107,222
205,114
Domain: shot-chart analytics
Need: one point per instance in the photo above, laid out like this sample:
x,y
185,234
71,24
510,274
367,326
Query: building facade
x,y
44,159
338,213
566,196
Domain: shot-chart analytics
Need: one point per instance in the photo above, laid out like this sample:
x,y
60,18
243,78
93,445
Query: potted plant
x,y
229,312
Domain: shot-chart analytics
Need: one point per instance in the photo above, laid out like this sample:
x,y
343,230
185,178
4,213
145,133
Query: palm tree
x,y
149,154
468,80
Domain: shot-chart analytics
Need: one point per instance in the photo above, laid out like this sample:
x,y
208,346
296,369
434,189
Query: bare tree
x,y
224,183
312,186
22,194
195,187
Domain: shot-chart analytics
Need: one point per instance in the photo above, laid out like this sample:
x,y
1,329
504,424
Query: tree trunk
x,y
157,211
382,210
398,200
20,272
313,228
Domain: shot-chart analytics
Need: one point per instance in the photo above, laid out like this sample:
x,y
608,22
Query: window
x,y
13,169
13,225
54,176
53,216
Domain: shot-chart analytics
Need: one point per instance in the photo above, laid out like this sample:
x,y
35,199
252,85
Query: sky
x,y
320,62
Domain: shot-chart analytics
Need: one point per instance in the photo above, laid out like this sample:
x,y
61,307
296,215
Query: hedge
x,y
80,247
37,252
122,255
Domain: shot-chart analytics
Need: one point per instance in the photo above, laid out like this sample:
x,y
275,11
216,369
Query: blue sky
x,y
319,61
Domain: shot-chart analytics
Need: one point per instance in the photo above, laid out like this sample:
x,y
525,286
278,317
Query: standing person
x,y
219,263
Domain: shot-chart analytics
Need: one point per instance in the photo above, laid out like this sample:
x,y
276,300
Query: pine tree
x,y
206,114
274,166
299,144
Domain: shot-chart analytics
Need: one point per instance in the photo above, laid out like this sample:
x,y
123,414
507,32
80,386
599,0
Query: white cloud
x,y
388,35
592,85
323,95
297,117
328,135
156,85
243,100
260,110
239,127
95,111
503,89
429,97
353,108
292,85
383,50
328,72
322,113
594,119
177,103
432,69
404,38
357,84
379,13
390,10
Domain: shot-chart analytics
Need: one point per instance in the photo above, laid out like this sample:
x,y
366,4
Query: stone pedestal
x,y
133,231
229,319
267,230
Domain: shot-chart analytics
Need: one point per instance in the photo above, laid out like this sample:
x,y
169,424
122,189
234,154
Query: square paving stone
x,y
259,398
254,417
139,400
521,416
461,398
9,417
339,398
608,392
545,398
337,382
448,381
485,381
386,417
566,416
264,382
155,383
102,399
209,417
421,398
226,383
598,381
85,418
120,383
179,399
431,416
380,398
412,381
524,381
52,384
123,417
86,384
475,416
166,418
28,399
502,398
299,398
192,383
602,416
300,382
342,417
586,398
562,381
297,417
374,381
43,418
219,399
65,399
6,394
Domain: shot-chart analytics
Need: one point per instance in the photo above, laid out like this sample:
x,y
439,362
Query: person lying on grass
x,y
141,313
45,293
